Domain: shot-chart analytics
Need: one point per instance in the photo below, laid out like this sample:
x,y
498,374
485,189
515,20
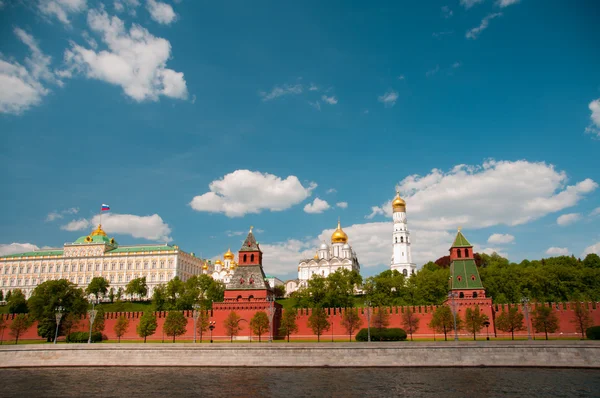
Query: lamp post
x,y
368,305
195,315
487,328
211,326
271,300
59,314
92,313
525,302
452,295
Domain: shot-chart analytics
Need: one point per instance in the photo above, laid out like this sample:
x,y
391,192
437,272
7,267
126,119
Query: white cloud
x,y
313,87
388,99
595,212
316,105
14,248
280,91
557,251
489,251
375,210
244,191
342,205
234,233
330,100
441,34
594,127
456,65
506,3
331,190
147,227
22,86
161,12
130,5
433,71
592,249
135,60
567,219
500,239
469,3
61,9
317,206
479,196
56,215
401,77
473,33
447,12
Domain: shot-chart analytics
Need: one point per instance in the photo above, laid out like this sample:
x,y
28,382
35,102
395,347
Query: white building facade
x,y
97,255
222,270
328,259
401,240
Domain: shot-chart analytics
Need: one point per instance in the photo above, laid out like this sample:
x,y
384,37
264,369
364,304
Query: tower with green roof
x,y
464,281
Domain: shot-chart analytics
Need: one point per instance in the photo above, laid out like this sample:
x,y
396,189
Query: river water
x,y
299,382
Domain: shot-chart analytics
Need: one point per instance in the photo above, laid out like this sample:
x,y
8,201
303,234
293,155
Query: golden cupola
x,y
229,255
398,204
339,236
98,231
218,262
205,266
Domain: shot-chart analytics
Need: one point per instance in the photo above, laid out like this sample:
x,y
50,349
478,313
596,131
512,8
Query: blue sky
x,y
196,120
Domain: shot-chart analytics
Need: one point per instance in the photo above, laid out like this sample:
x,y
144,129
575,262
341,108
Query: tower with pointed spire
x,y
464,280
401,241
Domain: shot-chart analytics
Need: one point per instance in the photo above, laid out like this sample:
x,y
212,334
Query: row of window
x,y
79,280
82,267
459,253
401,240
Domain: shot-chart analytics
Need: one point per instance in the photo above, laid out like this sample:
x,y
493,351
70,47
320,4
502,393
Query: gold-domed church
x,y
221,270
328,259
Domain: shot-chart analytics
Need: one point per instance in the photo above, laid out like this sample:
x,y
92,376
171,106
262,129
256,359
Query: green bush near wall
x,y
388,334
82,337
593,333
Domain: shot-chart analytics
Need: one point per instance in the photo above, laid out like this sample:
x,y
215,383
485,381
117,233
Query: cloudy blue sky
x,y
194,120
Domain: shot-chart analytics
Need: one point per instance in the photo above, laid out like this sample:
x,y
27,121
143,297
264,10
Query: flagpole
x,y
100,215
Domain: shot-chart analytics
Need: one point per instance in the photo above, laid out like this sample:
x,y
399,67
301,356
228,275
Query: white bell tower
x,y
401,255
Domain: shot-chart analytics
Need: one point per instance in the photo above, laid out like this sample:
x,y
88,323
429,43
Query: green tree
x,y
147,326
8,294
1,295
19,325
3,326
111,294
544,320
410,321
99,320
279,291
47,296
121,327
174,289
592,260
288,323
120,293
159,297
259,324
202,323
387,288
510,321
341,286
380,318
175,324
137,287
351,321
98,286
318,322
68,323
17,304
232,325
474,320
581,318
442,321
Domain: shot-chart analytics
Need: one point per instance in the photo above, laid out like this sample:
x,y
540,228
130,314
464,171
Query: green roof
x,y
461,241
95,239
37,253
131,249
465,275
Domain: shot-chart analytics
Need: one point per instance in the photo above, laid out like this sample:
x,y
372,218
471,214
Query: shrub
x,y
389,334
593,333
82,337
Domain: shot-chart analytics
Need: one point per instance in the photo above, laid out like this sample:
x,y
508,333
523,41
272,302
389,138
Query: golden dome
x,y
398,204
229,255
339,236
218,262
232,265
316,257
98,231
205,266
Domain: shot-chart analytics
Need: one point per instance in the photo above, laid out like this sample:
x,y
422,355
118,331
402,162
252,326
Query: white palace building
x,y
97,255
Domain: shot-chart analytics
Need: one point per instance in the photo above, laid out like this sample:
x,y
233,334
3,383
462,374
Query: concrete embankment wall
x,y
527,354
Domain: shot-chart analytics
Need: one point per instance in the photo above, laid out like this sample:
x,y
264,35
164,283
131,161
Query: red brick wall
x,y
221,311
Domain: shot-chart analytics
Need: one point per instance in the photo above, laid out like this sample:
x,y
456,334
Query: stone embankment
x,y
574,354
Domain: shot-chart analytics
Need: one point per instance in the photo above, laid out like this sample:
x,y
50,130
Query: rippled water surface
x,y
304,382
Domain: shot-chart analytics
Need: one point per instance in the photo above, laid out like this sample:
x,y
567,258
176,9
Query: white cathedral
x,y
401,256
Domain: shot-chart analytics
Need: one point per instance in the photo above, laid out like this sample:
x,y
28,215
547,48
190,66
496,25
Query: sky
x,y
195,120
